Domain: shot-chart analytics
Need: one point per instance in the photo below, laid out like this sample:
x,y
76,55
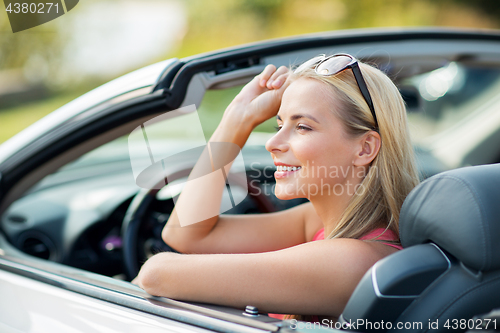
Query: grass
x,y
15,119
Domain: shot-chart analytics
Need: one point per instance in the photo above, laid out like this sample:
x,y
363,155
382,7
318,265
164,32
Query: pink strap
x,y
379,233
320,234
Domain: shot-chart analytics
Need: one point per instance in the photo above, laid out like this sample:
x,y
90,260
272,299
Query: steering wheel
x,y
141,232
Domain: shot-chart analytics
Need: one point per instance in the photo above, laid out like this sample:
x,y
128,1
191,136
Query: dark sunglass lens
x,y
309,63
333,65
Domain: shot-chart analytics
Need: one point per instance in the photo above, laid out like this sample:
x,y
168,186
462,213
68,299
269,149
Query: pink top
x,y
379,233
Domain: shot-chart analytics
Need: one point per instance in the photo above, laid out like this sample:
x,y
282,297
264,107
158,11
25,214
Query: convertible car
x,y
86,191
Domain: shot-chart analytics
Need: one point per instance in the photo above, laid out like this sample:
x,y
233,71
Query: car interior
x,y
83,211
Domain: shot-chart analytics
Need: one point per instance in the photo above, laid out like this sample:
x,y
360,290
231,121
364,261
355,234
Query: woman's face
x,y
311,150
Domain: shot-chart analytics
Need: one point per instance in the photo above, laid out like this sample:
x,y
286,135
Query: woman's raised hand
x,y
258,101
261,97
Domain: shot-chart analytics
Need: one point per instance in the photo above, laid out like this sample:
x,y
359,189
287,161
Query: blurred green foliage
x,y
15,119
215,24
224,23
42,44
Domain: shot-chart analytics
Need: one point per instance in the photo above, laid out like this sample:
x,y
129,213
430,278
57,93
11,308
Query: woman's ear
x,y
369,146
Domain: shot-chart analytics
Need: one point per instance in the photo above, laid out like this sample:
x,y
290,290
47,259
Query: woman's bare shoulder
x,y
312,221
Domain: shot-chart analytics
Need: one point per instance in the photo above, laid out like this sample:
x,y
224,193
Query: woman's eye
x,y
299,127
302,127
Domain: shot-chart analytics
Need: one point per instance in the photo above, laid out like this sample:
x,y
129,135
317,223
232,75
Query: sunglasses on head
x,y
334,64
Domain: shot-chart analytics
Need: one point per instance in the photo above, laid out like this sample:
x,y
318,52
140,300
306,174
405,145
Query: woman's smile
x,y
285,170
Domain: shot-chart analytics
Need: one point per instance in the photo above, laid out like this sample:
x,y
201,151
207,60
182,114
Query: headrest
x,y
458,210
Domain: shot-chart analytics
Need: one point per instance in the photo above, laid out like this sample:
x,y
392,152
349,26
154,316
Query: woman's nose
x,y
277,143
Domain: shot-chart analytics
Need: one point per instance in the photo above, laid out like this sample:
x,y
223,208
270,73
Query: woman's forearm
x,y
197,209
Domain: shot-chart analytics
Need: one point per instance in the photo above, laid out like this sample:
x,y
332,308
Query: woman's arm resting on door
x,y
311,278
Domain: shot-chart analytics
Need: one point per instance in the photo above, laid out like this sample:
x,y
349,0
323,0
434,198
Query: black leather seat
x,y
449,269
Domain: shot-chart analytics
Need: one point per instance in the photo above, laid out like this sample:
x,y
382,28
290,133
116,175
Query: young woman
x,y
342,143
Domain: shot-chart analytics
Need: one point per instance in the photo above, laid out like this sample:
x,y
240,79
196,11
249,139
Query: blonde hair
x,y
393,173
